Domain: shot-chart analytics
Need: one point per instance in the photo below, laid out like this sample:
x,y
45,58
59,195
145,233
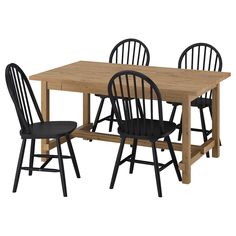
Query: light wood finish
x,y
216,120
54,85
45,96
93,77
86,108
186,134
197,152
176,85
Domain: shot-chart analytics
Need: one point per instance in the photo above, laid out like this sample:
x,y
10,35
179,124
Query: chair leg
x,y
19,165
98,115
210,109
171,120
31,162
156,168
173,113
180,129
61,167
134,148
112,120
72,154
117,164
173,157
204,133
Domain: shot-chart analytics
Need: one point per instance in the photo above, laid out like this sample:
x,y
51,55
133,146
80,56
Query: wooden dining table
x,y
175,85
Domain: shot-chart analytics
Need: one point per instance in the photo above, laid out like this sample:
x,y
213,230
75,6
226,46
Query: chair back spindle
x,y
22,96
130,51
136,100
201,56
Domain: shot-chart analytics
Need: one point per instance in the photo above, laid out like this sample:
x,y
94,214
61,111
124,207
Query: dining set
x,y
135,91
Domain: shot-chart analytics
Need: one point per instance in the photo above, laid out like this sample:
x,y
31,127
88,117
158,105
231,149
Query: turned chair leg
x,y
156,168
72,154
19,165
134,148
98,115
173,113
180,129
112,120
61,168
173,157
117,164
171,118
31,161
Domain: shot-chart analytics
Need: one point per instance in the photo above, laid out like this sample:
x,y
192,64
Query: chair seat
x,y
198,102
50,129
144,125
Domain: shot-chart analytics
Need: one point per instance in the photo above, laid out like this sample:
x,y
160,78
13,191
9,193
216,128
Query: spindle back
x,y
137,103
22,96
201,56
130,51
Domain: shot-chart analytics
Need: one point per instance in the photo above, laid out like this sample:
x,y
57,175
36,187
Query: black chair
x,y
199,56
128,51
23,98
124,89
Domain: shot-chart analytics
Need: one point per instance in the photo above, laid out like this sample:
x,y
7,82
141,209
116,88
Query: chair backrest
x,y
130,51
131,92
22,96
201,56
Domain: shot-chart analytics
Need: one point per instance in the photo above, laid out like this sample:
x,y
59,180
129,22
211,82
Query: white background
x,y
40,35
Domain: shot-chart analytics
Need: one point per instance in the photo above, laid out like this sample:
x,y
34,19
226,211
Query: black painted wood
x,y
26,108
128,92
128,51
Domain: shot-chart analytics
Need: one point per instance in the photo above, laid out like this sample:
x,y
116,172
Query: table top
x,y
93,77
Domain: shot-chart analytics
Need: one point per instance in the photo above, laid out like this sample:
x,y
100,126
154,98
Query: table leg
x,y
86,108
216,120
186,145
45,113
